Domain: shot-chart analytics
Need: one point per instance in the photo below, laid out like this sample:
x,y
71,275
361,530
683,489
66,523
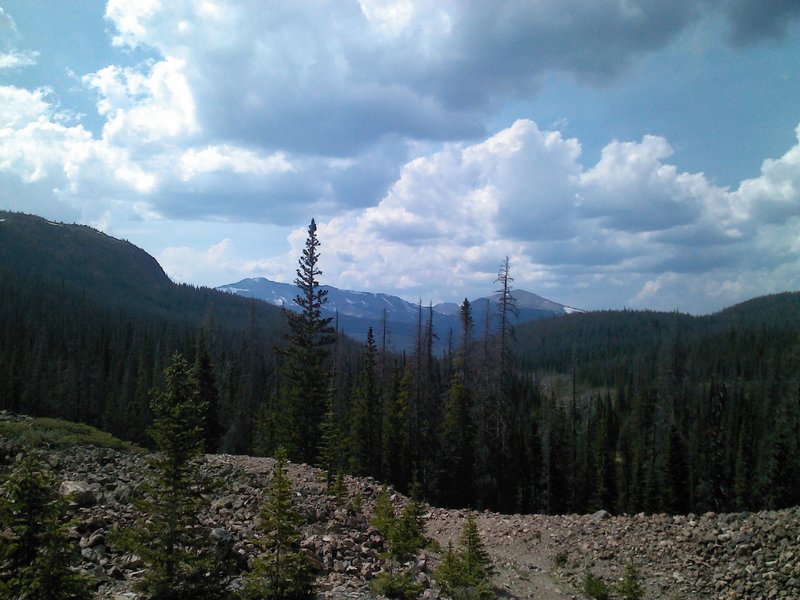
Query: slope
x,y
88,322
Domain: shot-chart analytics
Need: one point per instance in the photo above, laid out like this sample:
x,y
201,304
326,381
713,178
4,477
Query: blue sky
x,y
621,153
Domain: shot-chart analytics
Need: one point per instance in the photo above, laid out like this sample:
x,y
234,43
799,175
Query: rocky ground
x,y
725,556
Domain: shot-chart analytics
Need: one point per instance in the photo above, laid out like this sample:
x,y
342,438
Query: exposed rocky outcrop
x,y
725,556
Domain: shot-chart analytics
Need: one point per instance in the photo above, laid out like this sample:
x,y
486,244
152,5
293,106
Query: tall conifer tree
x,y
209,394
306,365
365,430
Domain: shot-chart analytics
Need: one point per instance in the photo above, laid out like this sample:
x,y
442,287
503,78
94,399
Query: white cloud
x,y
131,19
224,157
32,145
17,59
142,107
19,106
185,264
372,116
391,17
443,225
775,195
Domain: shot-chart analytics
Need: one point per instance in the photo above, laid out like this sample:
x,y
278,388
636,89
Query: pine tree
x,y
605,492
404,533
464,353
36,554
170,538
383,516
209,394
408,534
282,571
396,438
676,473
468,572
629,587
365,416
305,369
506,313
330,448
457,456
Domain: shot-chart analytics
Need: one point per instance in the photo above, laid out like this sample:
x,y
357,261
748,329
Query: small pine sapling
x,y
283,570
468,572
37,559
630,587
404,535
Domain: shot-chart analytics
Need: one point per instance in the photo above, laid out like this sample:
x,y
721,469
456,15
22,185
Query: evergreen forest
x,y
627,411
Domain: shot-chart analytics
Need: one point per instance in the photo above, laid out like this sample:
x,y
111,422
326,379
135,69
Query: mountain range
x,y
355,312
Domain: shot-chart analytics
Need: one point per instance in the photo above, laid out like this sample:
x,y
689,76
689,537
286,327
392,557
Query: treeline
x,y
626,411
623,411
66,352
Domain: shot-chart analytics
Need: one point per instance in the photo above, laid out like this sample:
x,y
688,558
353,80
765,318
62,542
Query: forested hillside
x,y
88,323
627,411
673,412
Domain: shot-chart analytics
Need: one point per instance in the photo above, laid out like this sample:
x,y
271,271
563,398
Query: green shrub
x,y
594,587
399,586
630,588
561,559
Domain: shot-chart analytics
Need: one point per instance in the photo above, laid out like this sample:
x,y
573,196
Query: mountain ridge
x,y
357,311
345,301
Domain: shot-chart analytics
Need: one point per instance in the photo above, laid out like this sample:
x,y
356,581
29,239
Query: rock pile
x,y
723,556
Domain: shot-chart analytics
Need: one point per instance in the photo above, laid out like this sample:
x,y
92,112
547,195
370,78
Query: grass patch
x,y
56,433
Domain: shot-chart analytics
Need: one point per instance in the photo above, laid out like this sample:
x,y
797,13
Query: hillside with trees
x,y
627,411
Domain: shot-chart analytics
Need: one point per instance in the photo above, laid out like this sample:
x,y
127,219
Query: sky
x,y
622,153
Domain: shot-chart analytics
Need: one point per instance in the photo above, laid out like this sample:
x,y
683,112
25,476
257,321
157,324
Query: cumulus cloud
x,y
374,116
445,224
143,107
335,77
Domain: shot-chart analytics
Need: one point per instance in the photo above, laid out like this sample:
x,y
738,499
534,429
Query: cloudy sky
x,y
635,153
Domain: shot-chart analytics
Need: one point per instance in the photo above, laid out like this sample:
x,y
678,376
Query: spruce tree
x,y
282,571
209,394
404,533
468,572
36,554
676,472
396,435
464,353
305,369
170,538
365,420
457,456
330,448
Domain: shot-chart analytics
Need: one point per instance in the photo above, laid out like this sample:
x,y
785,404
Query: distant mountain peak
x,y
356,311
534,301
